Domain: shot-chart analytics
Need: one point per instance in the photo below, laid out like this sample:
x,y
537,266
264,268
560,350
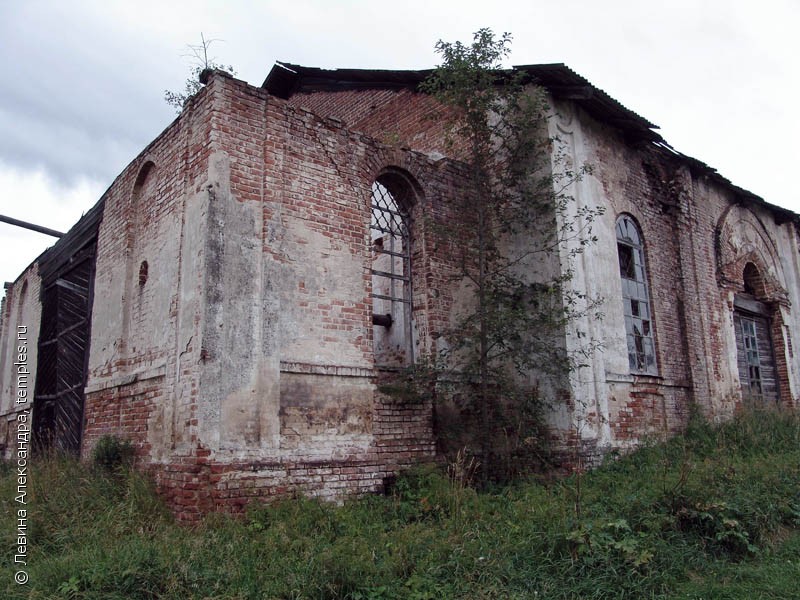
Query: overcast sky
x,y
82,88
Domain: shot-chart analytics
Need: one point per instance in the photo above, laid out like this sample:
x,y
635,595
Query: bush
x,y
113,454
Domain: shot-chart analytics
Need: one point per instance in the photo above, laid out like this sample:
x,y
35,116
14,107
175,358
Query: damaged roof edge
x,y
286,79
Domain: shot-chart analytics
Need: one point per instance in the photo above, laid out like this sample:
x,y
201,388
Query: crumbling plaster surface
x,y
19,327
678,211
733,235
239,384
585,414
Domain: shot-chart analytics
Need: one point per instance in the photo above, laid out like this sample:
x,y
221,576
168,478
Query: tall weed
x,y
722,500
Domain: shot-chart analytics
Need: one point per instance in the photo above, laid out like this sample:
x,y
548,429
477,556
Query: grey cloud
x,y
72,104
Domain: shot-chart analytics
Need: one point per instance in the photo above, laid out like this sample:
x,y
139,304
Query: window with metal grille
x,y
391,276
635,298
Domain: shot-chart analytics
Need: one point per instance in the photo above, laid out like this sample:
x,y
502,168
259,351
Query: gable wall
x,y
286,395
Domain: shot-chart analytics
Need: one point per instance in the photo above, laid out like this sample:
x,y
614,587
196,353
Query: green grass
x,y
714,514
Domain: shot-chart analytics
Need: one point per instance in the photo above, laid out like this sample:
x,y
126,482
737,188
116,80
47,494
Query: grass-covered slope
x,y
713,514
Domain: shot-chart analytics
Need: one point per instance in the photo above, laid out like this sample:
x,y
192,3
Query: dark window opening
x,y
626,267
143,269
753,284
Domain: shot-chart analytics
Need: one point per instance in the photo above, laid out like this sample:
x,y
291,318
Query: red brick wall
x,y
393,117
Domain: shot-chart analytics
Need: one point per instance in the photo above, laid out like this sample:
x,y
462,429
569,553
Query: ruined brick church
x,y
231,300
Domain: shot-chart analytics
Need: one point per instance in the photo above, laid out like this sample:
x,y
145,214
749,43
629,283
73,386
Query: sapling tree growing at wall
x,y
201,62
516,231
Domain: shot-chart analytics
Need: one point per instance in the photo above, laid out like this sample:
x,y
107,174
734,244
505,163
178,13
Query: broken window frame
x,y
636,305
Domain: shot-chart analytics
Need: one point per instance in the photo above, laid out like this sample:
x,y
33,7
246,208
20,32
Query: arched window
x,y
391,271
635,298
